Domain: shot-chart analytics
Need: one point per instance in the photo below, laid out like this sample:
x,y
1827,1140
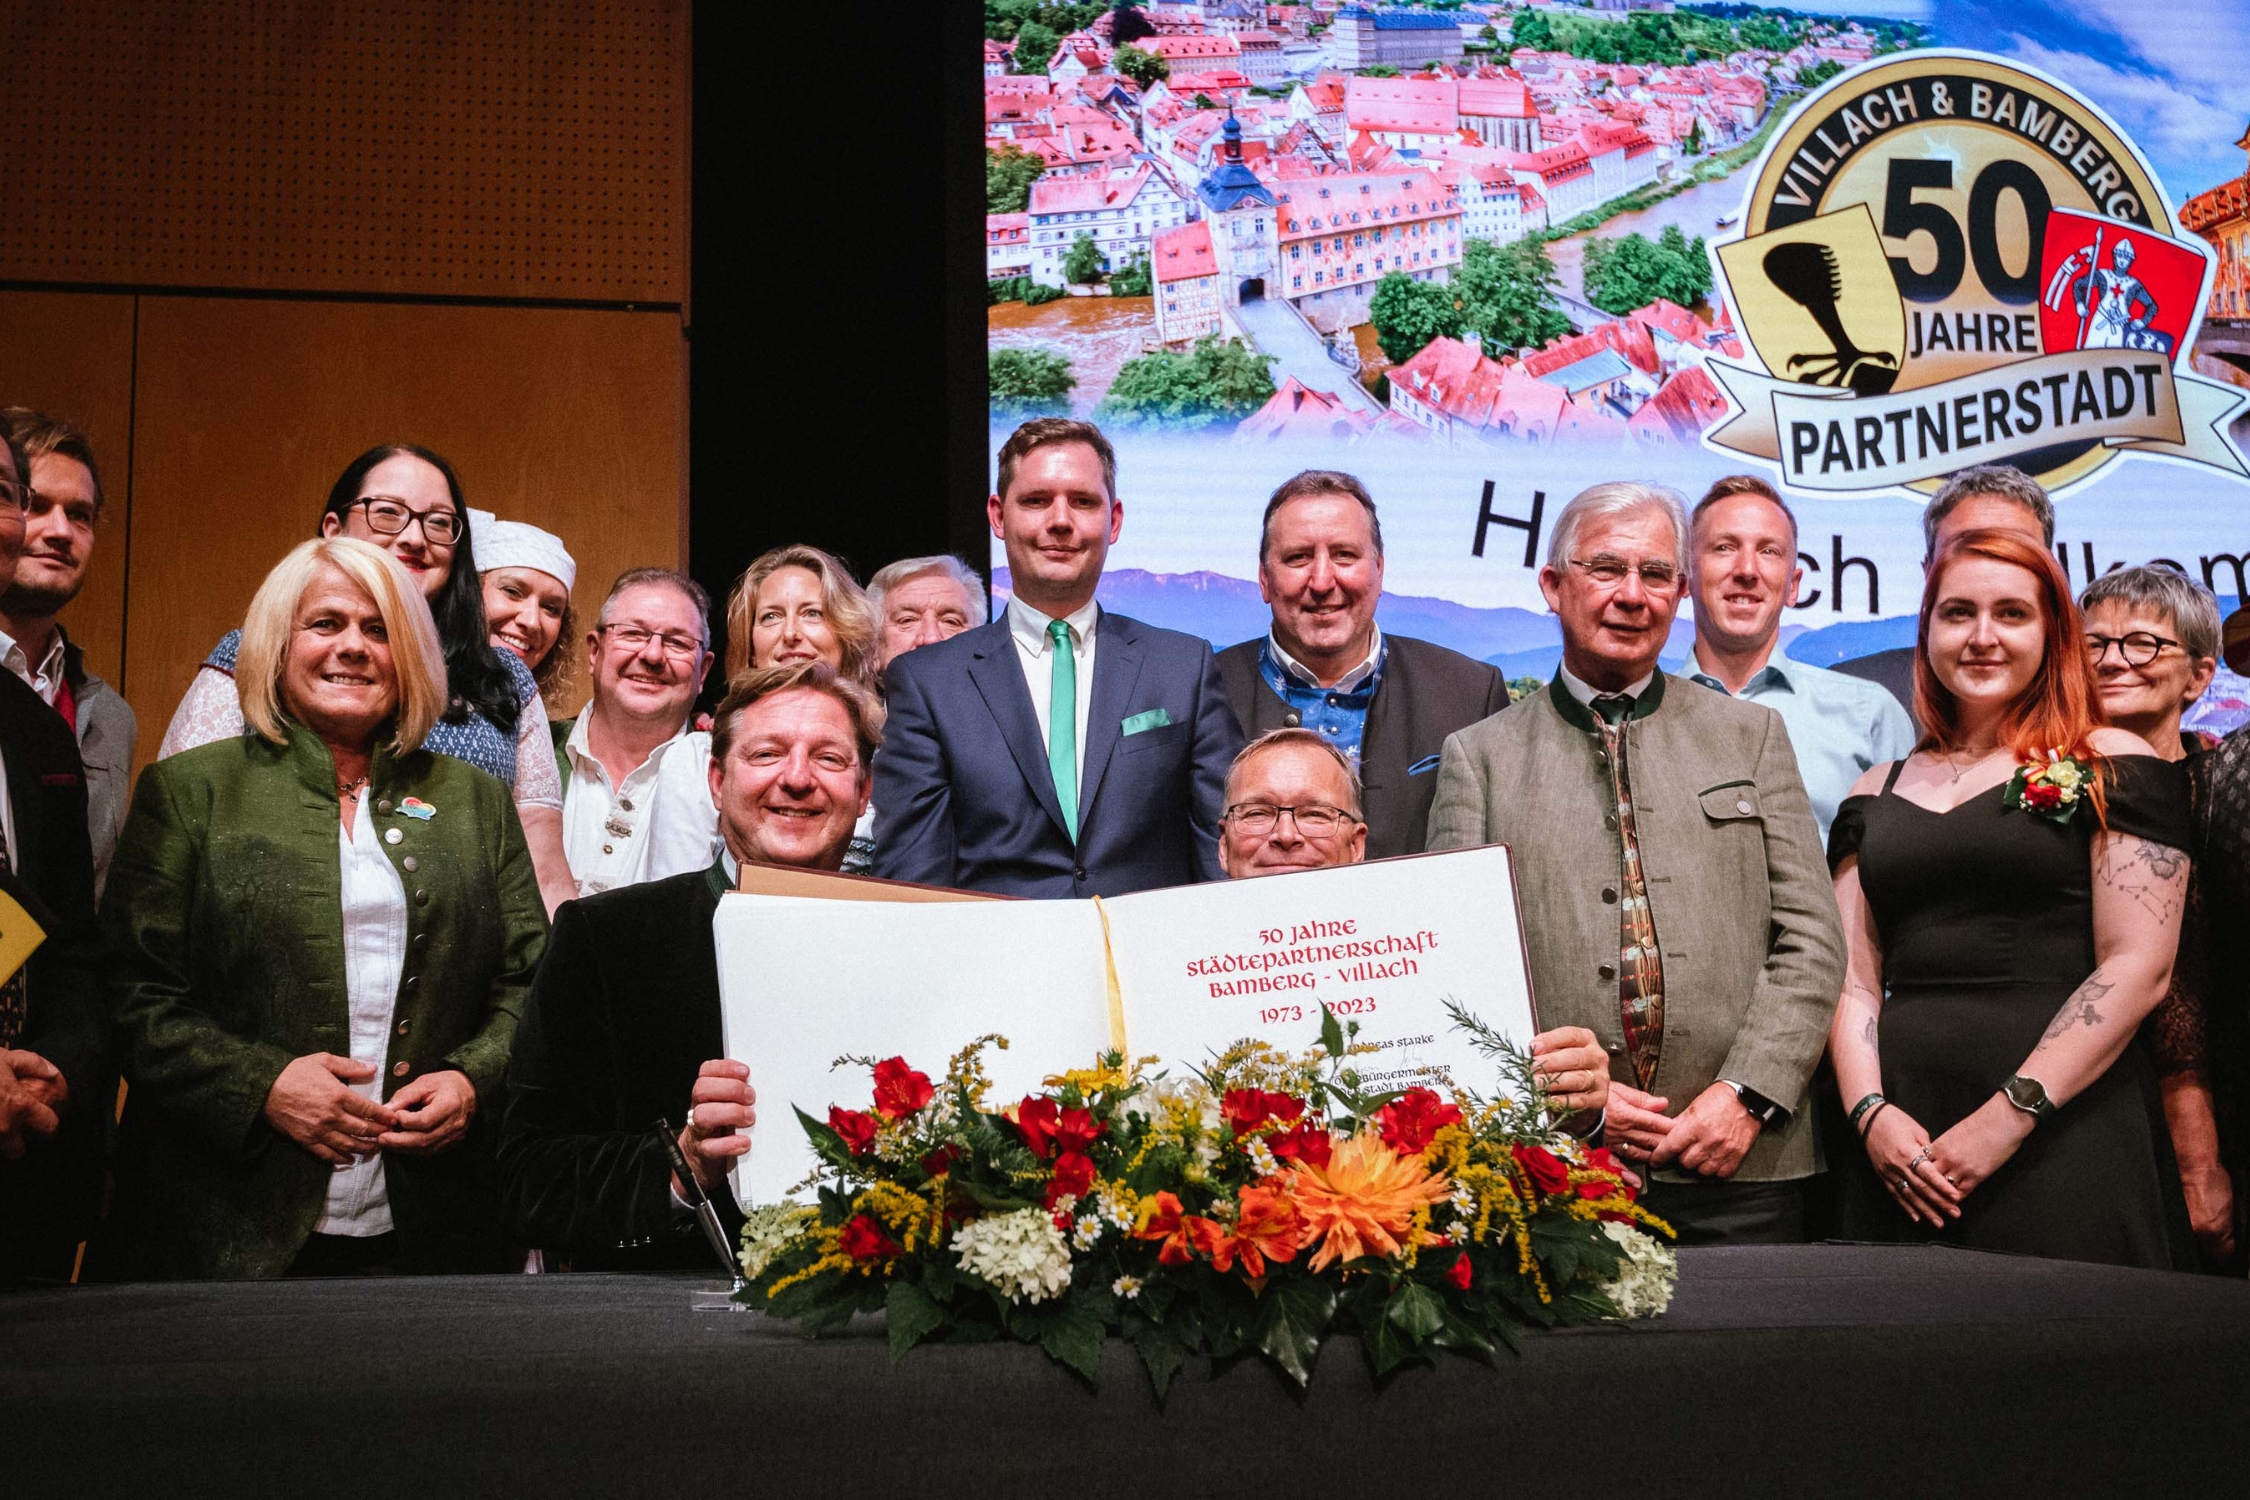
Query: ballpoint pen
x,y
705,1214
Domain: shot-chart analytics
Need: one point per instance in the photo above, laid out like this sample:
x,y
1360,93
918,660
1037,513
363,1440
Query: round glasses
x,y
1314,820
2135,650
388,517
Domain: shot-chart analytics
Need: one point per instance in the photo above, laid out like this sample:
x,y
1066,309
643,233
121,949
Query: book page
x,y
805,981
1384,944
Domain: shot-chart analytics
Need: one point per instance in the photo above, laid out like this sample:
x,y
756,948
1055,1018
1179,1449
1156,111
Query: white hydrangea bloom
x,y
1023,1255
768,1230
1643,1287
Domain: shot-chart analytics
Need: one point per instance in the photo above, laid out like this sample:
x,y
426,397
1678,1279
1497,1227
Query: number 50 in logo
x,y
1946,260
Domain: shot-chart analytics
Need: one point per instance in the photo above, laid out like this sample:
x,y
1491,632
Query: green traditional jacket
x,y
223,925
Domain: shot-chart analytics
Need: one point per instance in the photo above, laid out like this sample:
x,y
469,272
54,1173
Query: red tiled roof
x,y
1419,105
1326,204
1296,410
1216,81
1673,319
1451,376
1006,229
1182,253
1326,95
1688,403
1194,49
1066,195
1505,98
1627,338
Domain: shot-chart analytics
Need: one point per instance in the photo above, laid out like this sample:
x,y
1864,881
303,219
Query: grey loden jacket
x,y
1745,917
108,734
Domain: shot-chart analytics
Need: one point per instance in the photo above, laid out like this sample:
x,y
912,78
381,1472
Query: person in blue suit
x,y
1060,750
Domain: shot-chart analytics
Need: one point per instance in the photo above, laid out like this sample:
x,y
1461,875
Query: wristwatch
x,y
2028,1095
1761,1109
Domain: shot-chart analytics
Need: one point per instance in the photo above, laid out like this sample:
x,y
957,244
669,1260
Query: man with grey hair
x,y
1986,498
636,804
1675,901
919,601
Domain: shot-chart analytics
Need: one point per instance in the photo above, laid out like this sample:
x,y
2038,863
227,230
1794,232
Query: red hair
x,y
2059,709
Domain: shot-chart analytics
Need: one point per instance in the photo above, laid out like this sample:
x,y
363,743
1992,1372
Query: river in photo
x,y
1697,211
1096,334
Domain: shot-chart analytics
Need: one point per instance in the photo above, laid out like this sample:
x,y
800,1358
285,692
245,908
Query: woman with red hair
x,y
2011,894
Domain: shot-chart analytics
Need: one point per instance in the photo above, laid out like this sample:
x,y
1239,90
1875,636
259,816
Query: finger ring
x,y
691,1121
1925,1156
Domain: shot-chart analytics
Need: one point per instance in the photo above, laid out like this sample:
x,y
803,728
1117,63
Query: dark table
x,y
1825,1369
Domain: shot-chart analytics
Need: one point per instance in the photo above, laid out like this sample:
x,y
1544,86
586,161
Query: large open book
x,y
1178,974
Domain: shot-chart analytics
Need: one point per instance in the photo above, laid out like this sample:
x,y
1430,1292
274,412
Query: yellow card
x,y
20,936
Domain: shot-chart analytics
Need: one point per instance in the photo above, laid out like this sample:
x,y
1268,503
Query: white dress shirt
x,y
1585,692
1347,683
359,1200
1029,628
46,679
658,821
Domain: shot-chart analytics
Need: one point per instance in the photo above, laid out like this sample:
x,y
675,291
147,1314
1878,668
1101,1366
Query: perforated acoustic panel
x,y
483,148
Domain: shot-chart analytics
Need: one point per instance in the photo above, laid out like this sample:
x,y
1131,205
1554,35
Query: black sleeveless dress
x,y
1986,921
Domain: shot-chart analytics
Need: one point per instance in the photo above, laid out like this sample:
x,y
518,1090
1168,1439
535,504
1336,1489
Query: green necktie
x,y
1062,724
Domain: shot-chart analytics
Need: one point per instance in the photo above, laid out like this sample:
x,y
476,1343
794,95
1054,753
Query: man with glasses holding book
x,y
1675,901
636,803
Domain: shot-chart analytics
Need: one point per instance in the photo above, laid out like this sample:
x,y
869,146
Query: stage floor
x,y
1825,1369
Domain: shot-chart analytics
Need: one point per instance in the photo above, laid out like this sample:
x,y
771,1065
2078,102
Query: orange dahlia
x,y
1363,1202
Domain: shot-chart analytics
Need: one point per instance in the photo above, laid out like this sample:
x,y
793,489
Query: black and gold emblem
x,y
1897,279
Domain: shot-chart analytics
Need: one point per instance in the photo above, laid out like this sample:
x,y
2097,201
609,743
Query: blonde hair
x,y
849,614
417,658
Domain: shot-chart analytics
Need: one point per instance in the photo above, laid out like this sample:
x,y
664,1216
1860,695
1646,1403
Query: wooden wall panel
x,y
248,410
70,355
507,148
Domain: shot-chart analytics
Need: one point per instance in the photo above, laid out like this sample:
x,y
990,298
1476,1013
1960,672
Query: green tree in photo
x,y
1533,30
1036,292
1819,73
1520,688
1407,314
1687,277
1082,262
1009,172
1507,295
1135,280
1380,70
1035,46
1766,34
1144,68
1211,383
1028,383
1204,101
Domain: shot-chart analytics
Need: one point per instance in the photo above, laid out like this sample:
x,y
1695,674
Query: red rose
x,y
1035,1120
1073,1178
1601,1160
899,1090
856,1126
939,1162
1247,1109
2040,796
1309,1143
1545,1170
1407,1123
1076,1129
864,1239
1459,1275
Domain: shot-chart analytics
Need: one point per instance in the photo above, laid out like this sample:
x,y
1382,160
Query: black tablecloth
x,y
1825,1370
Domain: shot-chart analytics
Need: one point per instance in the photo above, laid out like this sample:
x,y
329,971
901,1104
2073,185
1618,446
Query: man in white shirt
x,y
637,798
1742,565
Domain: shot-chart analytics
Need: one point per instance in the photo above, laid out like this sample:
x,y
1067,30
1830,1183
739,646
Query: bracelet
x,y
1871,1114
1859,1110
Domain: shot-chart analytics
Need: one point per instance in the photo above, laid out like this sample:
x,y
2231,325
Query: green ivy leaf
x,y
1293,1318
1418,1312
1331,1034
1161,1355
912,1316
1386,1347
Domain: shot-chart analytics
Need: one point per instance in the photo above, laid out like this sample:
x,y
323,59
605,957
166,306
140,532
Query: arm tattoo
x,y
2078,1010
1867,1032
2151,875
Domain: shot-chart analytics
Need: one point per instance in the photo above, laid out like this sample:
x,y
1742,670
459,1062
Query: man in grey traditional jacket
x,y
1674,895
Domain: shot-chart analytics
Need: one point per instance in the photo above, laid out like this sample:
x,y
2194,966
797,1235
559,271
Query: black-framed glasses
x,y
1609,572
2135,650
635,639
1314,819
389,517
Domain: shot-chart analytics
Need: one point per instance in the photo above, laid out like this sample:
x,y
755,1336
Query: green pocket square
x,y
1155,718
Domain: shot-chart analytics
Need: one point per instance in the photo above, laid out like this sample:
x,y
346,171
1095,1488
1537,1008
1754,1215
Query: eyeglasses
x,y
14,494
1315,820
2135,650
1609,572
635,640
388,517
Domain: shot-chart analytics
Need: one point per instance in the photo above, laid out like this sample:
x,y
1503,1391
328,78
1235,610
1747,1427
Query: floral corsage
x,y
2052,788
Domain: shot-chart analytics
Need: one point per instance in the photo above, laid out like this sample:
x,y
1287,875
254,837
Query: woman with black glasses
x,y
407,500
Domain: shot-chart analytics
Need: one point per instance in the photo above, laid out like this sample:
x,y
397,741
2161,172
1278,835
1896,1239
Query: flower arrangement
x,y
2052,788
1250,1210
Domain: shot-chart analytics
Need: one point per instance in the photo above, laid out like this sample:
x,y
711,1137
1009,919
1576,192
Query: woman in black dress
x,y
2004,951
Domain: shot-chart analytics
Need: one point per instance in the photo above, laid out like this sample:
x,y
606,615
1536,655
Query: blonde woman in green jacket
x,y
321,936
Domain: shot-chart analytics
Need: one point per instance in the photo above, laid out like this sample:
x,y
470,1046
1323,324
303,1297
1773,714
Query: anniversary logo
x,y
1947,259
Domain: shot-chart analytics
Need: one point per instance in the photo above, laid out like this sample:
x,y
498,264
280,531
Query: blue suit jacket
x,y
963,796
